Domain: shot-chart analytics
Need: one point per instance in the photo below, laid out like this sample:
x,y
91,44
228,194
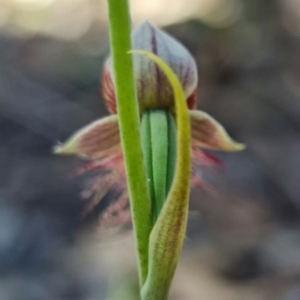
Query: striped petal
x,y
92,141
208,133
153,88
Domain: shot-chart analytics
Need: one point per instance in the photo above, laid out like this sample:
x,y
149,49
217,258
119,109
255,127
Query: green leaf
x,y
168,234
147,152
171,150
158,132
159,145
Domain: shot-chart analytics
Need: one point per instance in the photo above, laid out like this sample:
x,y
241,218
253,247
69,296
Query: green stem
x,y
129,123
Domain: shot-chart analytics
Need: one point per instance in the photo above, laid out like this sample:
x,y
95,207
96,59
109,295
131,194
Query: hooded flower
x,y
99,142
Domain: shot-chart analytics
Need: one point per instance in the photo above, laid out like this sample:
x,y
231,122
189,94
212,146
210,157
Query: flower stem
x,y
129,123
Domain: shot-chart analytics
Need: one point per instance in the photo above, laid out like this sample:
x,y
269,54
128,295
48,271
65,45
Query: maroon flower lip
x,y
99,142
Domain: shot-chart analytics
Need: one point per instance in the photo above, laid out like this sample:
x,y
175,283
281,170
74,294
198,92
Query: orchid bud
x,y
153,88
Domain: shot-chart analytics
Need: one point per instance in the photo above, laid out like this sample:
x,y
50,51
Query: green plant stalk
x,y
168,234
129,124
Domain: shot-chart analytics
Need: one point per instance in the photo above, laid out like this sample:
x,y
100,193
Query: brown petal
x,y
208,133
107,86
93,140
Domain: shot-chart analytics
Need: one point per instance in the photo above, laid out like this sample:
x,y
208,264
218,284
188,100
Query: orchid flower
x,y
99,142
168,142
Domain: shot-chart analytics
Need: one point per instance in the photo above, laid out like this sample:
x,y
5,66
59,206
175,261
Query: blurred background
x,y
243,242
